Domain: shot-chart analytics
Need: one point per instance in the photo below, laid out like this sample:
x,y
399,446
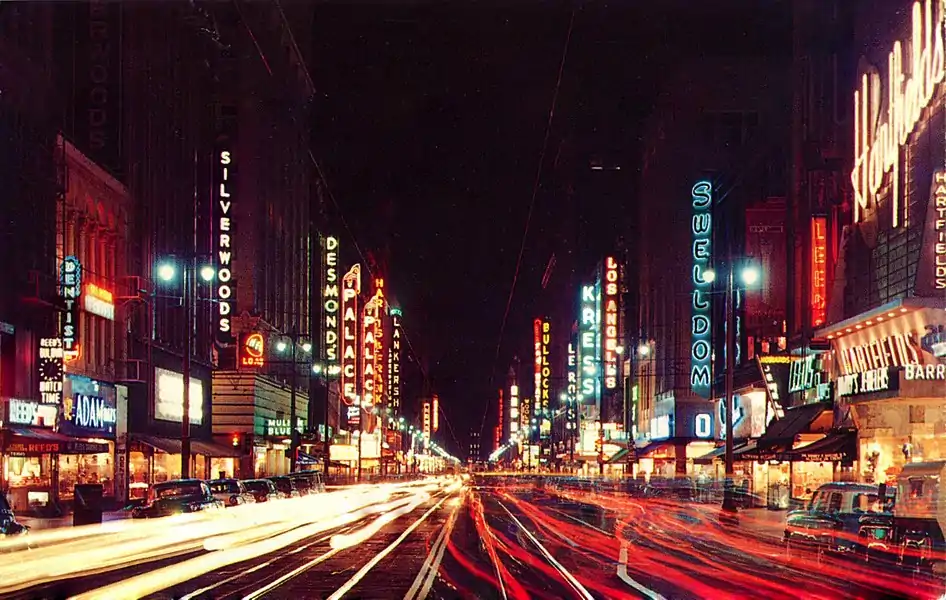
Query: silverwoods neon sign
x,y
877,145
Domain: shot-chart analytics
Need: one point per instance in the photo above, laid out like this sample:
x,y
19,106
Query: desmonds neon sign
x,y
877,145
610,323
330,305
702,229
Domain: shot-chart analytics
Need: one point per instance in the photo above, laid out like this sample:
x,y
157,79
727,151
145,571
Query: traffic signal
x,y
235,440
598,445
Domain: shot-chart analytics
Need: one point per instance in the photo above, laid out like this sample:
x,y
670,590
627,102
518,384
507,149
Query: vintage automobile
x,y
842,517
919,517
262,490
8,523
308,482
285,486
177,497
231,492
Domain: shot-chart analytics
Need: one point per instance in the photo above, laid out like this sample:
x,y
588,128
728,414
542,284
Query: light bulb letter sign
x,y
611,275
351,287
587,345
702,230
223,250
330,304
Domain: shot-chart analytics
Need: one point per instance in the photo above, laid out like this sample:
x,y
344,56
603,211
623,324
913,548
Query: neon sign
x,y
537,353
819,272
351,287
330,305
545,380
588,384
610,323
394,369
253,351
371,371
70,288
435,413
571,389
99,302
514,409
224,250
877,145
50,370
939,231
703,425
700,352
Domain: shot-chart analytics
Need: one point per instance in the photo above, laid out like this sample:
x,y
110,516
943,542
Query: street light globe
x,y
709,275
644,349
316,369
280,346
750,275
207,273
306,347
619,350
166,271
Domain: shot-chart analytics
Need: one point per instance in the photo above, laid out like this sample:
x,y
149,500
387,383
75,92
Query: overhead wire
x,y
535,191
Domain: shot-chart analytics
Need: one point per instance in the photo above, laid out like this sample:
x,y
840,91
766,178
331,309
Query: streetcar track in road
x,y
348,585
565,573
428,571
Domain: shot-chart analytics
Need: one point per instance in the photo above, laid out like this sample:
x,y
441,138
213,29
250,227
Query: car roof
x,y
848,486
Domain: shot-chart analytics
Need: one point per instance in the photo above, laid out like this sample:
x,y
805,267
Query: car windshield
x,y
283,485
256,486
224,487
183,490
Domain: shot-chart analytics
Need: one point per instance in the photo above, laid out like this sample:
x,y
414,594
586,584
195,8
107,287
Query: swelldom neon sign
x,y
702,229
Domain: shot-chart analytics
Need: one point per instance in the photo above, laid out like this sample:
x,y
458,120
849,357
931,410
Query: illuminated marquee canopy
x,y
610,323
700,353
224,248
877,144
331,305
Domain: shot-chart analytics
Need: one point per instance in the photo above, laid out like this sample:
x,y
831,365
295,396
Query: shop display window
x,y
29,471
78,469
166,467
221,468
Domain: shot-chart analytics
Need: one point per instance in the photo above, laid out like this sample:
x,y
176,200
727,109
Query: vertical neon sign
x,y
545,427
351,287
537,341
224,250
330,305
819,271
394,369
571,390
610,323
588,385
700,353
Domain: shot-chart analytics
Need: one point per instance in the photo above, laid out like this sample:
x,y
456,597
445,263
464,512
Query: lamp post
x,y
749,275
167,272
281,346
320,372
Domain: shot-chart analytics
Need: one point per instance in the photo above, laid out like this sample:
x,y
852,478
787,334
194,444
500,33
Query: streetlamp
x,y
749,275
167,273
306,347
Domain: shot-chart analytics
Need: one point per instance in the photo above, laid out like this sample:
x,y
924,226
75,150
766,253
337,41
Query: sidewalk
x,y
39,523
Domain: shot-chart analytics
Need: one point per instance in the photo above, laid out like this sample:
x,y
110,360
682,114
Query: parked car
x,y
231,492
262,490
285,486
308,482
176,497
841,517
8,523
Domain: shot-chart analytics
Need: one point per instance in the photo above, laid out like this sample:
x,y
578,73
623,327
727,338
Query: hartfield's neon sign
x,y
939,230
877,145
610,323
702,228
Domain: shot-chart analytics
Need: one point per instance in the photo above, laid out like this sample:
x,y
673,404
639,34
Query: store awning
x,y
711,455
624,455
653,447
307,459
34,440
841,446
214,450
782,432
753,450
161,444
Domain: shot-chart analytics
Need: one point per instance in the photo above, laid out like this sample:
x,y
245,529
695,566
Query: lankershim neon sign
x,y
702,229
877,145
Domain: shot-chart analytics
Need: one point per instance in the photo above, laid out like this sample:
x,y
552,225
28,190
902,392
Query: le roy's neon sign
x,y
700,354
224,249
877,145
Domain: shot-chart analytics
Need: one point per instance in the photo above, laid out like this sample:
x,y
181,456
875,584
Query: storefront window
x,y
200,466
166,467
139,475
78,469
221,468
28,471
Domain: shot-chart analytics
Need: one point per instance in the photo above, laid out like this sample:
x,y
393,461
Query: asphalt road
x,y
511,541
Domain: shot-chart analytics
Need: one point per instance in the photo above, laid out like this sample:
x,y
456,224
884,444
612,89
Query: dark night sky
x,y
429,124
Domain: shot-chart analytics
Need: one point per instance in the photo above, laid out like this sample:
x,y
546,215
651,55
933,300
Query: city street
x,y
440,539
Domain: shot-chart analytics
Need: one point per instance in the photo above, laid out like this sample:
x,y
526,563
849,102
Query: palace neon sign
x,y
330,305
819,271
351,287
702,229
877,145
372,370
224,250
610,323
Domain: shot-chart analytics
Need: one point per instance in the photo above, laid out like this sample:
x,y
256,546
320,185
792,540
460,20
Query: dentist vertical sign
x,y
700,350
